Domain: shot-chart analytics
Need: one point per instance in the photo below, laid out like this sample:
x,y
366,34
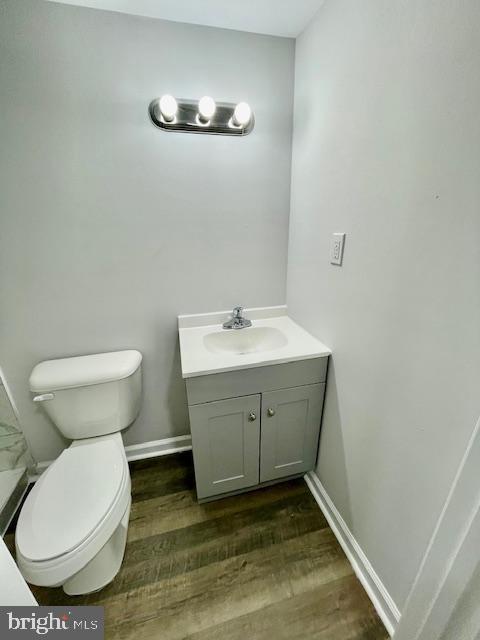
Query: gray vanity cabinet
x,y
226,444
290,428
254,426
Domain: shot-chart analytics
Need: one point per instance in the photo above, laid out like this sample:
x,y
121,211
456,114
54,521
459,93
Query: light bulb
x,y
242,114
206,108
168,107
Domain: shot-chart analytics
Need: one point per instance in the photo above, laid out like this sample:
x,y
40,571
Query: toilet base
x,y
103,568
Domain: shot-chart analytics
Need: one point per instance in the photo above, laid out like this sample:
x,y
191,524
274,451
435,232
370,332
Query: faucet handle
x,y
237,312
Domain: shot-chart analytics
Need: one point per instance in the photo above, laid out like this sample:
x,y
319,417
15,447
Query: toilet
x,y
72,528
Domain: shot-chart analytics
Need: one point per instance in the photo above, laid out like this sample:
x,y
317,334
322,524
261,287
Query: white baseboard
x,y
156,448
378,594
152,449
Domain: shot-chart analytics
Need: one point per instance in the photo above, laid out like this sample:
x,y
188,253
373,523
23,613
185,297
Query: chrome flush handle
x,y
43,397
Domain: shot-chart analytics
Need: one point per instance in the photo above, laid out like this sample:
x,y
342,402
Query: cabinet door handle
x,y
270,412
252,417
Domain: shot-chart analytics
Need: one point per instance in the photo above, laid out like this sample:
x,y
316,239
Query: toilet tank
x,y
89,396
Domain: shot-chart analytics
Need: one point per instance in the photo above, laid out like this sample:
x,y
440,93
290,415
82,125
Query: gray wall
x,y
464,624
387,149
110,227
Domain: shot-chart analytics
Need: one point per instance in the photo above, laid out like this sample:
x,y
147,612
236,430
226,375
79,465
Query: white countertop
x,y
198,360
13,588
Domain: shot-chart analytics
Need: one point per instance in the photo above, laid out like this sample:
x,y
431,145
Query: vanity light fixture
x,y
242,114
168,107
202,116
206,109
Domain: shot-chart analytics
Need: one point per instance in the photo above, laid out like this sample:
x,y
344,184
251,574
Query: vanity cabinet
x,y
255,426
226,436
289,431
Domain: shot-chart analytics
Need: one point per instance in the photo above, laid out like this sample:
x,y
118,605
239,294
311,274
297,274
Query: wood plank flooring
x,y
263,565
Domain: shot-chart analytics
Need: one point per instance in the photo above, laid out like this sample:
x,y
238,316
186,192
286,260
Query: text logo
x,y
25,623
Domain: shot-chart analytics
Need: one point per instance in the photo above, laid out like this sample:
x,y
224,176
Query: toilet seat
x,y
70,500
72,511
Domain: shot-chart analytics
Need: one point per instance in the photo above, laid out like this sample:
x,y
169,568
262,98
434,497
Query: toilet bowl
x,y
72,528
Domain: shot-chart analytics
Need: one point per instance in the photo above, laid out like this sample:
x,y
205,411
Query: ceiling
x,y
274,17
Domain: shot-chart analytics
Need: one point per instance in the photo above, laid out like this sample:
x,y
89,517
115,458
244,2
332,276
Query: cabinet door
x,y
226,444
290,429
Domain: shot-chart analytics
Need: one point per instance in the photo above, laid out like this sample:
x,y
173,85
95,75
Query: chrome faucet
x,y
237,321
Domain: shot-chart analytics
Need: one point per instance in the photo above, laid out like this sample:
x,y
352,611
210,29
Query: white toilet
x,y
72,529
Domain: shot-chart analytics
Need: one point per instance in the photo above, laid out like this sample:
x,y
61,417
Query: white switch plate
x,y
336,248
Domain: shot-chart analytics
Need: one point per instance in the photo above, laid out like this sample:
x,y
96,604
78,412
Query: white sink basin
x,y
242,341
274,338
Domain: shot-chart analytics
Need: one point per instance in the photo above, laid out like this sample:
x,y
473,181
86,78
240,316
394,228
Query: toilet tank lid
x,y
82,371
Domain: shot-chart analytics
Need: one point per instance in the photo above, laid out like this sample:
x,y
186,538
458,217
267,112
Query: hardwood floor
x,y
257,566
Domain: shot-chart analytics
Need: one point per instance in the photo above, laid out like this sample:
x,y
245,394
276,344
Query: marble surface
x,y
14,461
13,447
13,484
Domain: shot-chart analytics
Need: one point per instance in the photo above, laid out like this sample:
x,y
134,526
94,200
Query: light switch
x,y
336,249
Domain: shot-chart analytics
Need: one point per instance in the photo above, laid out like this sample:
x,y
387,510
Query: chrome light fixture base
x,y
186,119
